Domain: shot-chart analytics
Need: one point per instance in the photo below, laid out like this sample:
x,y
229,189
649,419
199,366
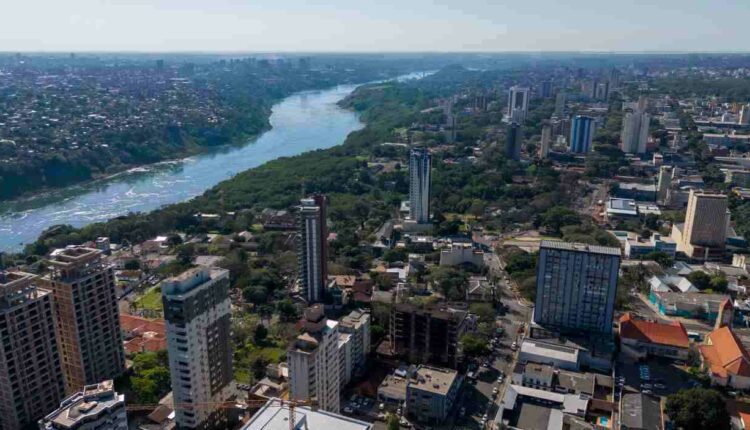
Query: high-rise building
x,y
576,287
518,104
513,141
546,141
313,247
745,115
314,361
31,378
635,132
704,233
582,134
420,164
664,184
96,406
545,91
198,322
88,317
480,103
560,104
357,323
428,335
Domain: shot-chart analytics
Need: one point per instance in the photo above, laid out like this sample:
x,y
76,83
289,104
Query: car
x,y
462,412
500,380
484,417
646,392
382,406
495,390
514,346
348,410
660,386
647,386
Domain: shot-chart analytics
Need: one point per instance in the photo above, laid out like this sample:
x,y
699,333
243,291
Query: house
x,y
641,338
676,284
480,290
688,305
143,334
725,359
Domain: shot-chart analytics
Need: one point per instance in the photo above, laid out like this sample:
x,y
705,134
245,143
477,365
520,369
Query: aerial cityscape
x,y
416,233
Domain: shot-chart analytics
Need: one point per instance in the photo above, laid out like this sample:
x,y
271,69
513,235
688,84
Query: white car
x,y
348,410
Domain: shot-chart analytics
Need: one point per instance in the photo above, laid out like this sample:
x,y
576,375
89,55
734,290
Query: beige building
x,y
87,315
31,378
704,233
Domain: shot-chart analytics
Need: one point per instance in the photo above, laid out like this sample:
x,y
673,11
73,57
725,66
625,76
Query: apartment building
x,y
357,323
313,248
432,393
97,406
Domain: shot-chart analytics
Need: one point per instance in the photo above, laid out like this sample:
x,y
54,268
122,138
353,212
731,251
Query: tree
x,y
484,311
664,260
474,345
393,255
132,264
700,279
719,283
558,217
287,310
698,409
393,422
261,333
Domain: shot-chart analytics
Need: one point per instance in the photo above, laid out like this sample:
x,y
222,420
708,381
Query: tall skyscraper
x,y
664,184
198,320
513,141
582,134
745,115
88,317
546,141
559,104
420,165
357,323
635,132
704,234
31,378
545,90
314,361
518,104
576,287
96,406
313,247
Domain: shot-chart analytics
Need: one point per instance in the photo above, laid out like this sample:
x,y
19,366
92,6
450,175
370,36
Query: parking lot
x,y
656,376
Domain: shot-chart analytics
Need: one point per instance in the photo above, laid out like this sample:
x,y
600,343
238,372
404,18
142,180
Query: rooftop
x,y
579,247
724,353
640,411
672,334
93,400
273,416
434,379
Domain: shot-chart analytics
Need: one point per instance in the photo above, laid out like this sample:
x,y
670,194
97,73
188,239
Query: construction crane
x,y
247,404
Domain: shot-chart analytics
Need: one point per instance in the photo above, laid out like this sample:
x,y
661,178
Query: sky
x,y
374,25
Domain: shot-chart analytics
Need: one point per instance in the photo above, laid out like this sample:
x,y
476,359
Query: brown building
x,y
704,233
428,335
31,378
88,320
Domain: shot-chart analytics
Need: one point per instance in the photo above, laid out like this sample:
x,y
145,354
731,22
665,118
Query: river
x,y
301,122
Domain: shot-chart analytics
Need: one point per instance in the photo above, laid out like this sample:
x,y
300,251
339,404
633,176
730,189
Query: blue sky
x,y
382,25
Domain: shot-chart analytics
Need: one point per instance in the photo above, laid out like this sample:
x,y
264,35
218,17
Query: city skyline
x,y
233,26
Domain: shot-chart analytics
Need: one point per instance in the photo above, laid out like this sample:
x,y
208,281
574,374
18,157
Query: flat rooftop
x,y
434,379
274,416
579,247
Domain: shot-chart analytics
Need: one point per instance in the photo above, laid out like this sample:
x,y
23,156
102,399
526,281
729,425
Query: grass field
x,y
151,300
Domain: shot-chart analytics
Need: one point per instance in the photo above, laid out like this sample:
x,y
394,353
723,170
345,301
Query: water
x,y
302,122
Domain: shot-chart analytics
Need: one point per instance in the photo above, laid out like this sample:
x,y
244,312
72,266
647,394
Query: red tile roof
x,y
724,354
672,334
144,334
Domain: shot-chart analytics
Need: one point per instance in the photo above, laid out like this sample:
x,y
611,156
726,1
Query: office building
x,y
313,248
31,377
582,134
546,141
559,104
634,134
513,142
357,323
576,287
314,361
275,416
432,393
545,91
428,335
664,184
97,406
420,164
518,104
745,115
88,317
198,319
703,235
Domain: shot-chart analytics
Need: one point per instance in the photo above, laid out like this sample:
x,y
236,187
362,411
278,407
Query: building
x,y
582,134
744,115
636,191
641,412
725,359
458,253
275,415
641,338
545,90
576,286
97,406
31,376
559,104
88,317
198,318
618,208
533,408
314,361
546,141
420,165
635,132
703,235
518,104
513,142
313,248
430,396
428,335
739,178
664,184
357,323
637,248
687,304
346,358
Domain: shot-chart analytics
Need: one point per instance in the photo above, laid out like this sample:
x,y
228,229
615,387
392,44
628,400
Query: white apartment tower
x,y
357,323
420,163
518,104
315,361
197,314
635,132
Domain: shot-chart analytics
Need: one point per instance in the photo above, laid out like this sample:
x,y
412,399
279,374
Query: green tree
x,y
260,335
393,422
698,409
474,345
554,219
719,283
701,280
